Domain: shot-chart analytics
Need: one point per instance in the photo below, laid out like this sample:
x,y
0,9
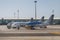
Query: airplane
x,y
11,24
31,24
41,24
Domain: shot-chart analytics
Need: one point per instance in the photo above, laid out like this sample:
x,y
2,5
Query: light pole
x,y
35,10
53,11
18,14
14,14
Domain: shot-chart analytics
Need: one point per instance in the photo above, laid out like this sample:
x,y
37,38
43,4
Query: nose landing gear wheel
x,y
18,28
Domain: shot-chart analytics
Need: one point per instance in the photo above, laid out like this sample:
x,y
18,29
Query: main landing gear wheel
x,y
45,27
32,28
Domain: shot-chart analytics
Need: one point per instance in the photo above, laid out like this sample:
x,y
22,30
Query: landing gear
x,y
18,28
43,27
32,28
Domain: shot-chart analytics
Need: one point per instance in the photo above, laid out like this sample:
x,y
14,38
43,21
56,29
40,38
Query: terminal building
x,y
6,21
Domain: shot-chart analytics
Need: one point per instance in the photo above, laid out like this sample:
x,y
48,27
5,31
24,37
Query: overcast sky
x,y
27,8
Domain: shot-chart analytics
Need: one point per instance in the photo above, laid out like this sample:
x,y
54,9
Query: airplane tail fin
x,y
50,20
42,19
31,19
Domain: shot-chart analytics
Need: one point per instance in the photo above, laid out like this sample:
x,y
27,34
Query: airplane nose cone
x,y
9,27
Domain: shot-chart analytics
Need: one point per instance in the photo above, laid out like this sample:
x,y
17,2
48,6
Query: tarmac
x,y
52,32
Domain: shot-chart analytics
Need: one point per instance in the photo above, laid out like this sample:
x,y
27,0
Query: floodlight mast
x,y
18,13
35,10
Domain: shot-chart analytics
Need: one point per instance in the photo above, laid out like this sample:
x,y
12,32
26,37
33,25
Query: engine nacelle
x,y
43,26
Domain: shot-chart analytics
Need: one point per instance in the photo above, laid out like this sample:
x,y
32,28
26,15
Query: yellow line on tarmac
x,y
58,33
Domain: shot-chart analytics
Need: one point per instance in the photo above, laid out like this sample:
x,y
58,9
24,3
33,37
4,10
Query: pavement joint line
x,y
24,32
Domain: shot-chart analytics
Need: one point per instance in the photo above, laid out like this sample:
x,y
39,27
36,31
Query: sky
x,y
8,8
